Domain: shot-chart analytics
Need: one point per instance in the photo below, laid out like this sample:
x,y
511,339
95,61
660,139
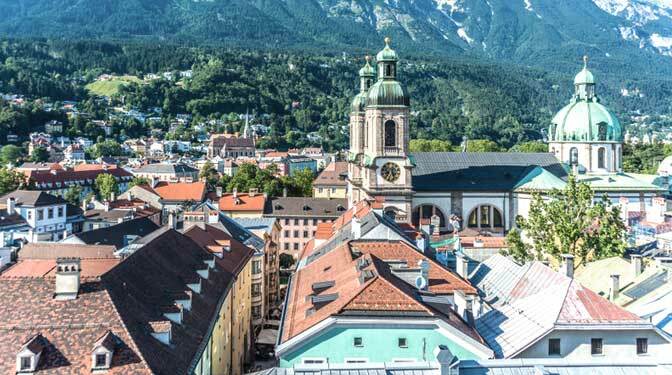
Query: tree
x,y
138,181
106,148
105,185
39,155
300,184
209,174
569,222
427,145
10,180
531,146
482,145
73,194
10,154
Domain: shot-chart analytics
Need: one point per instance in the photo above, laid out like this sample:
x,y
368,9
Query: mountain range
x,y
553,34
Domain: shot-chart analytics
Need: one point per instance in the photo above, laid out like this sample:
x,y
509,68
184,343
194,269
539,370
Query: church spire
x,y
387,61
366,75
246,131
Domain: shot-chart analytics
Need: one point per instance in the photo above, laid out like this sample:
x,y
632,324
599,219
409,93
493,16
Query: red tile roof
x,y
91,268
215,240
179,191
53,250
243,202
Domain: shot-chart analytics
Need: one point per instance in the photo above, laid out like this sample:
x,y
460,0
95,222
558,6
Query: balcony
x,y
392,151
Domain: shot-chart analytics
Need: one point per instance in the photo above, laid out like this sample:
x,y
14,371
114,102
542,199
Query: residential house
x,y
330,183
119,235
35,216
235,258
374,302
166,309
57,182
230,146
168,196
74,153
265,269
238,205
532,311
53,127
299,218
167,172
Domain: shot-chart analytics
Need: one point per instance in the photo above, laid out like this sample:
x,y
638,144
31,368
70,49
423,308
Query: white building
x,y
44,215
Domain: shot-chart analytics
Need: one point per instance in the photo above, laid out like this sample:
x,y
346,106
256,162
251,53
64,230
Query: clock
x,y
390,172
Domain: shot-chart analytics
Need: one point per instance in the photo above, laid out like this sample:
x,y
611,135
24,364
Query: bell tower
x,y
385,168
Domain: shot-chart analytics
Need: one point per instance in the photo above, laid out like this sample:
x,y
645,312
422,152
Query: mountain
x,y
625,35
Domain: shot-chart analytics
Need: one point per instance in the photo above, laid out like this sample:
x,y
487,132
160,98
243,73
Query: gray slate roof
x,y
165,168
305,207
33,198
115,235
478,171
257,223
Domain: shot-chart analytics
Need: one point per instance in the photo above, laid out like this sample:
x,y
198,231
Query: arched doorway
x,y
423,213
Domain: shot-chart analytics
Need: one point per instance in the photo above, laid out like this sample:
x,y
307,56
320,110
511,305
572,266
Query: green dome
x,y
367,70
387,93
584,77
585,121
387,53
359,102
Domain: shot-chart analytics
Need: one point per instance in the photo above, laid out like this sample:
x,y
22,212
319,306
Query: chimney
x,y
445,358
107,206
461,264
424,271
219,191
113,196
11,205
420,241
152,182
252,192
171,220
235,193
284,192
568,265
636,261
67,278
356,228
615,287
461,303
85,205
30,235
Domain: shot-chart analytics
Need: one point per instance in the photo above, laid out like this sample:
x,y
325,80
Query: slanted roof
x,y
115,235
302,207
31,198
529,301
618,182
53,250
242,202
212,239
166,168
538,180
257,224
180,191
478,171
333,175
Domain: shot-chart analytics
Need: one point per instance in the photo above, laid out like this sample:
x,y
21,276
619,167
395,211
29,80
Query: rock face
x,y
544,33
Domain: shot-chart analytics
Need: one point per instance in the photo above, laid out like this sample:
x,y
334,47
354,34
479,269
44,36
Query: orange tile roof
x,y
244,202
331,175
91,268
488,242
323,231
181,191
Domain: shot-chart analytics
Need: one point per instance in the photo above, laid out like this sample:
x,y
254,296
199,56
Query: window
x,y
101,360
305,221
390,133
256,267
30,214
574,156
305,234
600,158
602,131
256,312
553,346
286,246
50,213
358,342
256,290
485,216
296,246
26,362
402,342
296,221
40,214
296,234
287,233
356,360
313,361
286,221
314,221
642,345
596,346
60,212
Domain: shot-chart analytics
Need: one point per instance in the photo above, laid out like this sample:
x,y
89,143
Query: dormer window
x,y
101,357
26,363
29,355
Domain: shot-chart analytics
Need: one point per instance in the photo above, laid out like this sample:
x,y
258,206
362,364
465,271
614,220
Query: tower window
x,y
388,70
390,133
602,131
574,156
600,158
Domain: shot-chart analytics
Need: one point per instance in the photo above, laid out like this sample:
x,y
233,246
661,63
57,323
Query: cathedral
x,y
482,191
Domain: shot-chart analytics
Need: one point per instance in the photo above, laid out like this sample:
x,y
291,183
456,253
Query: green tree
x,y
10,154
73,194
530,146
105,185
106,148
482,145
427,145
10,180
39,155
138,181
569,222
209,174
300,184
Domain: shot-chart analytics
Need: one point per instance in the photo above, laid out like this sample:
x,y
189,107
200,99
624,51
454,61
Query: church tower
x,y
585,134
379,140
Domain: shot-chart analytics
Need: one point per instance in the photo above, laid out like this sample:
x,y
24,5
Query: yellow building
x,y
232,339
330,183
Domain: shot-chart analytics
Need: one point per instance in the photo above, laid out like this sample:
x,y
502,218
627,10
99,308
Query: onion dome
x,y
387,53
367,70
387,91
585,119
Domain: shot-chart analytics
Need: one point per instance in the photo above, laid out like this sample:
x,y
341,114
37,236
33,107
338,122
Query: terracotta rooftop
x,y
180,191
242,202
85,173
53,250
215,240
487,242
91,268
361,282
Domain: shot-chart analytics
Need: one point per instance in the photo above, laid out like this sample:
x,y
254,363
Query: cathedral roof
x,y
387,53
387,93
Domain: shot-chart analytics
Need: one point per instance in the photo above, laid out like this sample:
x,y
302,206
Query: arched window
x,y
423,215
600,158
574,156
602,131
390,133
485,216
391,214
388,70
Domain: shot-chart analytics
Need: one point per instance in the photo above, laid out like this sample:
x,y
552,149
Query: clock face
x,y
390,172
